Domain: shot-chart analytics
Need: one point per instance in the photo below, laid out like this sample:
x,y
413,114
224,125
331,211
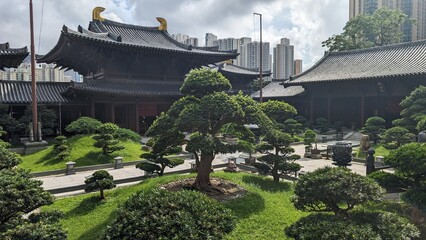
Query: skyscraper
x,y
283,59
415,9
297,66
250,56
210,40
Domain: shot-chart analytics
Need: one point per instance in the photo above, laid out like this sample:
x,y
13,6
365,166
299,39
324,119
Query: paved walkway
x,y
63,181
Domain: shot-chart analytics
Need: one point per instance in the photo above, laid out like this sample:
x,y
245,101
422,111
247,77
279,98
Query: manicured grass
x,y
380,151
82,152
262,213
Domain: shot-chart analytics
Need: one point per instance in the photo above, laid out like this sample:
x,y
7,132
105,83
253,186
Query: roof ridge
x,y
378,48
124,25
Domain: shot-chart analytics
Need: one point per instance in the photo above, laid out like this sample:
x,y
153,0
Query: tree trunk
x,y
203,177
161,173
275,174
102,193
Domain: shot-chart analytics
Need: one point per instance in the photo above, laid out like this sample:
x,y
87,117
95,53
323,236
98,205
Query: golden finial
x,y
96,13
163,22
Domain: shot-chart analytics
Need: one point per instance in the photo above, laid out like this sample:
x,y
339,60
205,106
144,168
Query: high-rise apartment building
x,y
283,55
297,66
43,73
183,38
250,56
210,40
415,9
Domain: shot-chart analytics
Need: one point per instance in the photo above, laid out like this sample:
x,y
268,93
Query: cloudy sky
x,y
305,22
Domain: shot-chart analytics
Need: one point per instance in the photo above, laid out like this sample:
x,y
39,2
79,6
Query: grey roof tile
x,y
380,62
19,92
130,87
276,89
11,57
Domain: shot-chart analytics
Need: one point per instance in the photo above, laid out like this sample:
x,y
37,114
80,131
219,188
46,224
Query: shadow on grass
x,y
251,203
97,231
267,184
85,207
49,159
93,158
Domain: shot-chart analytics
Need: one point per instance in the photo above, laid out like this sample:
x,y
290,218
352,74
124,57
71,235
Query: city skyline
x,y
306,22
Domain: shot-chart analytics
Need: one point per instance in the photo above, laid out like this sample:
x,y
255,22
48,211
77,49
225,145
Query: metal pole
x,y
261,60
33,80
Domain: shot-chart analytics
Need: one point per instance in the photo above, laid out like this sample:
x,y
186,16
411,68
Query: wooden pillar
x,y
329,109
92,108
362,110
311,109
137,116
112,112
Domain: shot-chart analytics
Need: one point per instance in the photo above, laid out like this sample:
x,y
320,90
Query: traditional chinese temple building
x,y
351,86
131,73
11,57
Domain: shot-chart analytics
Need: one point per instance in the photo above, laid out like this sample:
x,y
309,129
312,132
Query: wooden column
x,y
311,109
137,116
112,112
92,108
329,108
362,111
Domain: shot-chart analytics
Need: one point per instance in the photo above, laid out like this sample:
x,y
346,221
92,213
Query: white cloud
x,y
306,22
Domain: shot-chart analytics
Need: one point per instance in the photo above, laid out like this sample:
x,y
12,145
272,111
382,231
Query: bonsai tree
x,y
309,138
105,139
161,148
409,161
247,147
395,137
9,123
335,190
292,127
83,125
61,148
282,161
278,111
413,109
20,194
303,120
338,190
202,113
322,125
100,180
374,127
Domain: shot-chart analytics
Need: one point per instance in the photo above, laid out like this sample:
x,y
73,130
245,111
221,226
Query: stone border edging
x,y
126,180
94,167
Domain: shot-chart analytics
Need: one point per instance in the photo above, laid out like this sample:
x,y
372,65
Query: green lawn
x,y
262,213
380,151
82,152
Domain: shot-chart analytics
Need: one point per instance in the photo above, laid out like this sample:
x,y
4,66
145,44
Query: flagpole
x,y
33,78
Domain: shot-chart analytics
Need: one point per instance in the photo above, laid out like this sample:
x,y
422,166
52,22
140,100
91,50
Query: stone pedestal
x,y
232,165
118,162
70,168
31,147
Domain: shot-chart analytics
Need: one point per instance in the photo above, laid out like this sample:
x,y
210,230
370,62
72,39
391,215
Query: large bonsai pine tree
x,y
203,112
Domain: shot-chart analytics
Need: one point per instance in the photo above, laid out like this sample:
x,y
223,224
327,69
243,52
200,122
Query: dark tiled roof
x,y
19,92
275,89
130,37
11,57
129,87
231,68
406,59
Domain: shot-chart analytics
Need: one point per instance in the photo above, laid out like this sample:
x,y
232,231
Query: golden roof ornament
x,y
163,22
96,13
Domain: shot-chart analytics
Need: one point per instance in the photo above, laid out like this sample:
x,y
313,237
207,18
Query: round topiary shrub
x,y
84,125
387,180
160,214
127,134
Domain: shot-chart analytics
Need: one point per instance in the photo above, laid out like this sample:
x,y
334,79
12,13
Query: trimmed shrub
x,y
322,125
84,125
387,180
160,214
329,227
416,197
62,150
127,134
